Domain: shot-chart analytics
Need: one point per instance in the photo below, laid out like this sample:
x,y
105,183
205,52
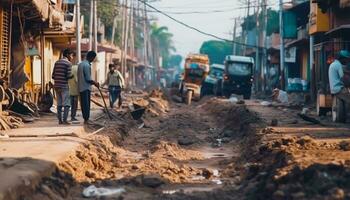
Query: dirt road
x,y
213,149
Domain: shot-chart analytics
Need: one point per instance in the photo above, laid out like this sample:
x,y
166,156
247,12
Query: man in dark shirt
x,y
61,74
84,84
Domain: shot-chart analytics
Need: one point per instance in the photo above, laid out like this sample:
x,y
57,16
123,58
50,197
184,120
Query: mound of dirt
x,y
172,150
234,119
317,181
99,159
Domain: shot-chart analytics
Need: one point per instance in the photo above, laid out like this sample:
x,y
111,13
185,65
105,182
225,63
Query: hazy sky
x,y
219,23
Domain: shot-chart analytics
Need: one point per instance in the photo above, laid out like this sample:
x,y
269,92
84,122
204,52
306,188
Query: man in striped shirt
x,y
61,74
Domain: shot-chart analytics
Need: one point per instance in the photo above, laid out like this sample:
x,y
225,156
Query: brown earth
x,y
213,149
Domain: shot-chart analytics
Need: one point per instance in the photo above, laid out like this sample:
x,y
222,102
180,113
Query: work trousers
x,y
74,106
344,95
85,97
62,103
114,94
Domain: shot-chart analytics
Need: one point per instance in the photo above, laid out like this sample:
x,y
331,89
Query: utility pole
x,y
123,37
91,23
145,43
257,52
264,35
126,38
312,69
282,70
245,33
115,23
78,53
234,45
95,26
132,42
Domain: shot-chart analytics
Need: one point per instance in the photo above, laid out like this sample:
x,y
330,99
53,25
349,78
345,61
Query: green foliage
x,y
216,50
162,41
175,61
106,10
249,22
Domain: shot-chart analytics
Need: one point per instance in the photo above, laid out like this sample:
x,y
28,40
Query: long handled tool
x,y
105,105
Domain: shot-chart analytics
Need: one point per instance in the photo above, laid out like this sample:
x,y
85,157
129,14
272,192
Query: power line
x,y
193,12
196,29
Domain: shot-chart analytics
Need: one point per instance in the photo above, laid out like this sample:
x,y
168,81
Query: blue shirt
x,y
84,76
335,74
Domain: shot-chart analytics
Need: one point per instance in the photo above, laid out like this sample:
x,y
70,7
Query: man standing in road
x,y
74,94
61,74
84,84
336,74
115,82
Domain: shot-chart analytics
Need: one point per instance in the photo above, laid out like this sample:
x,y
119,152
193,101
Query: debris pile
x,y
8,121
155,103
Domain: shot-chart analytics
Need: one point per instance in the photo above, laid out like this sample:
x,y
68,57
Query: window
x,y
216,73
239,69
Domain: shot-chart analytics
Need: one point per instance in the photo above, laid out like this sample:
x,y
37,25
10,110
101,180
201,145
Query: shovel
x,y
105,105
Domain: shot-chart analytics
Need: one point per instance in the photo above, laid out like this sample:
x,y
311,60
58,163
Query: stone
x,y
228,133
295,121
135,167
278,195
304,140
226,140
337,193
298,195
152,181
344,145
274,122
288,140
90,174
207,173
241,102
185,141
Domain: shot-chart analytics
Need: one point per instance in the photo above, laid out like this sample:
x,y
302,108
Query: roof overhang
x,y
272,50
303,7
36,10
298,42
340,30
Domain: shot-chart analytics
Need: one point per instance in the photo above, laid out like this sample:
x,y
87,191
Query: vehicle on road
x,y
196,70
238,76
213,80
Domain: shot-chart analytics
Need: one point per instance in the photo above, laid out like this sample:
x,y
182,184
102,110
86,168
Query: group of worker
x,y
73,82
339,75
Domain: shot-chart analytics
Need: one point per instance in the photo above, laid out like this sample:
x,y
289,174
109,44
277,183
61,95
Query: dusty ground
x,y
213,149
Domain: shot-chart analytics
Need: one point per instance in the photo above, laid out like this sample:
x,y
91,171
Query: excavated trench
x,y
181,152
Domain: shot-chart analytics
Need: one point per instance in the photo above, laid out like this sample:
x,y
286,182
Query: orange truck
x,y
195,71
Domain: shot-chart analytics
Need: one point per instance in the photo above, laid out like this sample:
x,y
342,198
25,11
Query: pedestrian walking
x,y
115,82
84,84
61,74
74,94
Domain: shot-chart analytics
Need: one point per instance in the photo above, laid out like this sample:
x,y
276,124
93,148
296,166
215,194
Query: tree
x,y
216,50
249,22
162,43
175,61
106,11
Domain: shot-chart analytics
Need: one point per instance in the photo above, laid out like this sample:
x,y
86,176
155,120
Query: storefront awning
x,y
273,49
296,43
340,30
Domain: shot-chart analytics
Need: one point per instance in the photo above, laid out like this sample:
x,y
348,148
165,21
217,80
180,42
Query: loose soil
x,y
213,149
